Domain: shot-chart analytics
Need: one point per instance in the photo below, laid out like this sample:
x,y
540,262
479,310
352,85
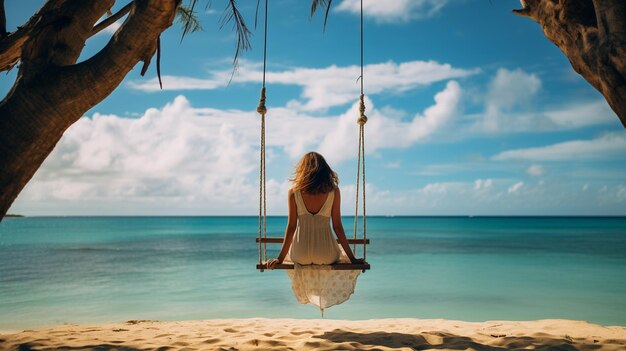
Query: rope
x,y
262,219
361,156
264,49
362,137
262,110
361,173
356,207
362,55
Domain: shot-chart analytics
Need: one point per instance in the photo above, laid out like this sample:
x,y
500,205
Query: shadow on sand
x,y
346,340
446,341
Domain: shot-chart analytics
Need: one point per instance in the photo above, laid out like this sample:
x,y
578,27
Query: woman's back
x,y
313,203
314,242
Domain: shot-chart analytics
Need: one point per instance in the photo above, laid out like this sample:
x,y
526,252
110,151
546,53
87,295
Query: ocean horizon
x,y
95,269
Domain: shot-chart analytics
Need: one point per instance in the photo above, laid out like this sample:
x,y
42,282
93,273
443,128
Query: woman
x,y
314,200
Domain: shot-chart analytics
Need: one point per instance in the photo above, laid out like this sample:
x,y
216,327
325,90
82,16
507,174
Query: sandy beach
x,y
295,334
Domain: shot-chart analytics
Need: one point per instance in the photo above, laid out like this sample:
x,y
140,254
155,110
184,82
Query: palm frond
x,y
188,18
256,14
232,14
321,3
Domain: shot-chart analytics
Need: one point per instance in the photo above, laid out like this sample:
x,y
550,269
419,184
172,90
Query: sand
x,y
295,334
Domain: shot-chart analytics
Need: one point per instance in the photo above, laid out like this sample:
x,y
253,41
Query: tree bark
x,y
52,92
3,20
592,34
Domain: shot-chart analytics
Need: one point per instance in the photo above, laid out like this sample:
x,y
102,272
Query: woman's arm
x,y
338,227
292,220
289,231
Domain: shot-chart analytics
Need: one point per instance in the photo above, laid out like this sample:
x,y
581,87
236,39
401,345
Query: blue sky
x,y
472,112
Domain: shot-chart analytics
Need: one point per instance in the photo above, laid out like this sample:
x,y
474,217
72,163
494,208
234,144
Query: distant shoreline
x,y
13,216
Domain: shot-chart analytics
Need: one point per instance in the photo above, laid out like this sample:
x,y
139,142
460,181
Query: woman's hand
x,y
272,263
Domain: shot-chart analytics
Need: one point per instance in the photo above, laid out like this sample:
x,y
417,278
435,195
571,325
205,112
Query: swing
x,y
262,239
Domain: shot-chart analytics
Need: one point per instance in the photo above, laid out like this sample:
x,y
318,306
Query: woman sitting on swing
x,y
314,200
308,238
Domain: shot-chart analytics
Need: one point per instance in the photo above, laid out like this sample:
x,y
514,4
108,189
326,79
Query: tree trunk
x,y
592,34
52,92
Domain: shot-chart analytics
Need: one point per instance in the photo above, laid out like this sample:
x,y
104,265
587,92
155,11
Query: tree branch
x,y
592,35
11,44
59,40
3,20
112,19
612,15
40,107
90,81
611,49
11,49
54,16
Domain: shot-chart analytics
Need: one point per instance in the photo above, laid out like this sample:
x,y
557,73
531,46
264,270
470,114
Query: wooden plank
x,y
336,266
275,240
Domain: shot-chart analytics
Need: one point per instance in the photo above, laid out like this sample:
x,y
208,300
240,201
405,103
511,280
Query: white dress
x,y
314,247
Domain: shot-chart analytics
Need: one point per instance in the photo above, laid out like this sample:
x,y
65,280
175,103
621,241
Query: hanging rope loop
x,y
262,196
261,109
360,173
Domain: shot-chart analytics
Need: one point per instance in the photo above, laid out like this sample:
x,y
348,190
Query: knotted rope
x,y
262,110
361,173
361,157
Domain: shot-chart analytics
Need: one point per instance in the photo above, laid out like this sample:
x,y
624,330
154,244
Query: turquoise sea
x,y
106,269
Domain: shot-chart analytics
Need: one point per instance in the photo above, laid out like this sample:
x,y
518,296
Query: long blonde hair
x,y
313,175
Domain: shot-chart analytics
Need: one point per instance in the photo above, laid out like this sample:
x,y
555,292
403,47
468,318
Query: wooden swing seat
x,y
336,266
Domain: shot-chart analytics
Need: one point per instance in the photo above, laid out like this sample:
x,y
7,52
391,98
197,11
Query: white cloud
x,y
392,165
435,188
508,89
582,114
186,160
181,159
174,158
178,83
512,88
535,170
515,187
620,192
393,11
510,94
567,117
610,145
322,87
463,198
509,108
482,184
393,113
615,194
340,141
